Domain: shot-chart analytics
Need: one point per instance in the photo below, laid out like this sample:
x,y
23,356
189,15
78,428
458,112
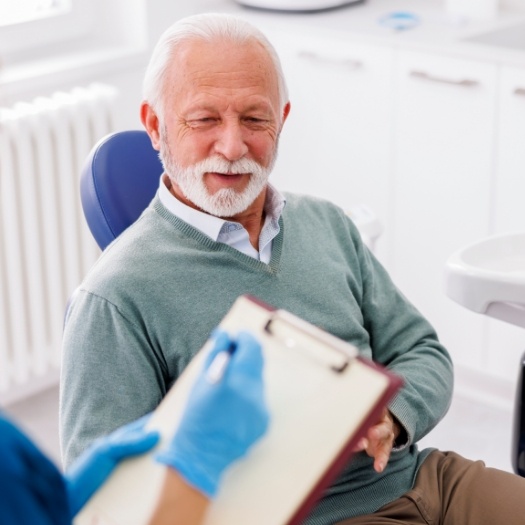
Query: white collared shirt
x,y
228,232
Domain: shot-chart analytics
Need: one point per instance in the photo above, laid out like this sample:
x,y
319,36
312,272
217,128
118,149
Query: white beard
x,y
225,202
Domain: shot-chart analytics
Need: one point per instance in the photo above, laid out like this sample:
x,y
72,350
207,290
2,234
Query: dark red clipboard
x,y
341,460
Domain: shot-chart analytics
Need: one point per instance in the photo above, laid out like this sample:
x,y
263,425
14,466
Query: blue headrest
x,y
118,181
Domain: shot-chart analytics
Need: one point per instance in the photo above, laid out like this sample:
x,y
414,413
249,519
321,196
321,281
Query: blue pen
x,y
219,364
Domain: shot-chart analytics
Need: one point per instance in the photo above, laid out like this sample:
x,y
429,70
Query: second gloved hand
x,y
221,420
92,468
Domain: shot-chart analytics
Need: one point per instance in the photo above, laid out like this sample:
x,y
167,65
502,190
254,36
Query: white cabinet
x,y
336,142
507,342
444,131
434,144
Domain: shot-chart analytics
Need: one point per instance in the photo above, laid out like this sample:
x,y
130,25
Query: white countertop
x,y
436,31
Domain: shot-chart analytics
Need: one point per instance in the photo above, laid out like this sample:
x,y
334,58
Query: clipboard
x,y
322,397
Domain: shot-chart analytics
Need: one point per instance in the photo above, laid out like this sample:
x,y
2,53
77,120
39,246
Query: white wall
x,y
514,4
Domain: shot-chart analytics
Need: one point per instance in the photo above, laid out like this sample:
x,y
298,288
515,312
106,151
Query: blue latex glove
x,y
221,420
93,467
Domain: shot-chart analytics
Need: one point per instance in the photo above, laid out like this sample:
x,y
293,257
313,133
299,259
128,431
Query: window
x,y
27,10
64,40
28,26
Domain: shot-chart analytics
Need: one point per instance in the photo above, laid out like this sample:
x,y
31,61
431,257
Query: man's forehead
x,y
201,66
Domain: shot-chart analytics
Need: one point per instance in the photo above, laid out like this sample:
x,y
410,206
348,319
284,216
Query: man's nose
x,y
231,142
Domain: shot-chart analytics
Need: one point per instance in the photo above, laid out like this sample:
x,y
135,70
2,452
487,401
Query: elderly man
x,y
215,104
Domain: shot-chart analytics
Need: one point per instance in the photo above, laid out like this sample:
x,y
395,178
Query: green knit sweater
x,y
151,300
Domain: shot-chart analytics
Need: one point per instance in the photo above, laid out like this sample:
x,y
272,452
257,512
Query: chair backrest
x,y
118,181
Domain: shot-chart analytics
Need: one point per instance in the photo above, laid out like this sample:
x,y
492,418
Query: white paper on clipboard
x,y
321,396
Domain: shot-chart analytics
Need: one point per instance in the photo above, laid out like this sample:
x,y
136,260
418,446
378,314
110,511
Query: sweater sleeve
x,y
406,343
111,375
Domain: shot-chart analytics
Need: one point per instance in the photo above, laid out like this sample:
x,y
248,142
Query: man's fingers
x,y
379,444
362,444
379,441
380,461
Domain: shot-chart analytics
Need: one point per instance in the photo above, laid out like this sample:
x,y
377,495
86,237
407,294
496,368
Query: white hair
x,y
206,27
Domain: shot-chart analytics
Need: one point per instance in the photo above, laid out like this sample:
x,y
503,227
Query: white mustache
x,y
220,165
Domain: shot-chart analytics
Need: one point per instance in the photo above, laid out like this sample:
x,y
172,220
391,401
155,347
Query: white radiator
x,y
45,246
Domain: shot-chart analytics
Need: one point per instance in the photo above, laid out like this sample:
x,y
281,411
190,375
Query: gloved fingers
x,y
246,363
92,468
221,343
120,433
133,443
244,378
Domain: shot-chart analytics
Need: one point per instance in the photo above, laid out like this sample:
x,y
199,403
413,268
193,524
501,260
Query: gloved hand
x,y
223,419
92,468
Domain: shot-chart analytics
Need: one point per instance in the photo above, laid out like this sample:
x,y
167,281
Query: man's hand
x,y
379,440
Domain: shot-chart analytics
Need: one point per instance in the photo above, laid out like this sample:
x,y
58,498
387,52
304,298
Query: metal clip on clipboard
x,y
294,333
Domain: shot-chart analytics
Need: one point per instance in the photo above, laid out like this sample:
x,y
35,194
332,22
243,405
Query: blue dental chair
x,y
121,176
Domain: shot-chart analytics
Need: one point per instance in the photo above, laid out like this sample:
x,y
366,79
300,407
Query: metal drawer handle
x,y
344,62
462,83
520,92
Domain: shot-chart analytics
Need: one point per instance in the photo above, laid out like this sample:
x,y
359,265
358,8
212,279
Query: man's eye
x,y
202,122
255,122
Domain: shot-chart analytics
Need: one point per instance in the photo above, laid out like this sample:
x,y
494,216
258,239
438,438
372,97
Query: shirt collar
x,y
209,224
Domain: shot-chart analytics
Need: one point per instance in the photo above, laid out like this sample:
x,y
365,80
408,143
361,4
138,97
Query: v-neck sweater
x,y
155,294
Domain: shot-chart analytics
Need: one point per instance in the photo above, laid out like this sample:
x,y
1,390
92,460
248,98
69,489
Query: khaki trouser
x,y
452,490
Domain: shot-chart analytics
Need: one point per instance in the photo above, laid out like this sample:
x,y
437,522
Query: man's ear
x,y
286,111
151,123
